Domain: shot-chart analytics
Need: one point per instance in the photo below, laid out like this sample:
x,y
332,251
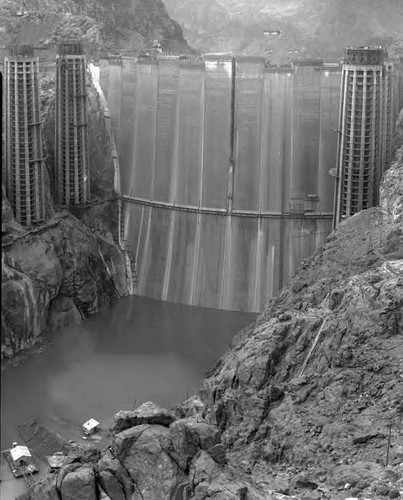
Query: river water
x,y
138,350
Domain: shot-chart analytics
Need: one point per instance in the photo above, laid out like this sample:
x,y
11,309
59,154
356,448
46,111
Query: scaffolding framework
x,y
24,157
72,166
365,130
388,115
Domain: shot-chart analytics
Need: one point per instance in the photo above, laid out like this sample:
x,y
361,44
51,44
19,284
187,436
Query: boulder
x,y
381,489
84,454
189,435
192,407
219,453
367,436
105,496
303,480
114,478
208,480
111,485
79,484
147,413
62,313
354,473
144,451
48,280
281,484
398,455
66,469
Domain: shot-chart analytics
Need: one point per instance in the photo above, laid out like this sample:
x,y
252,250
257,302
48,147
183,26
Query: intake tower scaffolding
x,y
24,158
72,169
365,130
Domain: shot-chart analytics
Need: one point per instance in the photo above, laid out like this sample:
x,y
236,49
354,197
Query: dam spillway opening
x,y
224,168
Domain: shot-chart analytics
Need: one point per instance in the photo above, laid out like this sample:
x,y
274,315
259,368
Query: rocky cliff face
x,y
54,277
101,25
307,28
307,402
317,383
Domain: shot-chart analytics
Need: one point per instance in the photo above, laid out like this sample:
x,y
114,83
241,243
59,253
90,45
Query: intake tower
x,y
365,129
72,169
24,156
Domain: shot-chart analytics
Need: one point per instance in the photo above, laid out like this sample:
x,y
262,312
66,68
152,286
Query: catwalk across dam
x,y
224,166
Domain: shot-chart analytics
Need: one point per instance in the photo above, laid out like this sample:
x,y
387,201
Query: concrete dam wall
x,y
224,172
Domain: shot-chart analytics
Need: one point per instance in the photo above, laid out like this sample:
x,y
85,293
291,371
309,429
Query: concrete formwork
x,y
114,98
24,157
366,128
71,128
164,172
214,259
127,129
276,141
249,85
217,131
330,90
190,135
398,87
389,116
305,131
145,128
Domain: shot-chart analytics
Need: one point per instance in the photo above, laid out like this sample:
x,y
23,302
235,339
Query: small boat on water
x,y
21,461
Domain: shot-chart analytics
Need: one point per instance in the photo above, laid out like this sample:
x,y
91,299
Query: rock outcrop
x,y
288,30
317,382
79,483
102,26
148,413
56,277
150,461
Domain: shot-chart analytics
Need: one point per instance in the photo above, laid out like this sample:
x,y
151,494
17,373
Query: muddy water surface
x,y
138,350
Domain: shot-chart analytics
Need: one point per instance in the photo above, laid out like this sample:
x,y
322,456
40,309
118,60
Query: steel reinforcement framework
x,y
24,155
72,165
366,121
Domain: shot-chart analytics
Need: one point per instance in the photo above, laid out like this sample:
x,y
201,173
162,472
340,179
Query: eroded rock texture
x,y
150,461
55,278
317,381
